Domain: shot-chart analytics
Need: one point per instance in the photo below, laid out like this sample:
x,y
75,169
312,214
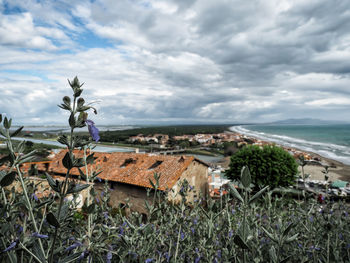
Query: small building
x,y
129,175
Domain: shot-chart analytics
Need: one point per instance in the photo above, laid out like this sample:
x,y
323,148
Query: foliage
x,y
239,227
269,165
123,136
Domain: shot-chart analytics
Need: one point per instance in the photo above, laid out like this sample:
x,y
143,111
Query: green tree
x,y
269,165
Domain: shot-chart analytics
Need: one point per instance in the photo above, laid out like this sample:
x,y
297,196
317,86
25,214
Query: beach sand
x,y
336,171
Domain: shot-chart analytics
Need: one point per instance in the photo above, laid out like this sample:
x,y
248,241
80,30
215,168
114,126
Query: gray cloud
x,y
149,61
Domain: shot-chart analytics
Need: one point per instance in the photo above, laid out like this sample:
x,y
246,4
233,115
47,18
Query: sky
x,y
180,61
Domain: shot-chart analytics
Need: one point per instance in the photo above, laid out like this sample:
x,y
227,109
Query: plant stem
x,y
63,190
4,196
30,208
26,249
88,198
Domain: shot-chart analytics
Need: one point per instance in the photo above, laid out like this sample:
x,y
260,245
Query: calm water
x,y
331,141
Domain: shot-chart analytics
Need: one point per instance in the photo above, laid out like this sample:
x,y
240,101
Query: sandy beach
x,y
336,170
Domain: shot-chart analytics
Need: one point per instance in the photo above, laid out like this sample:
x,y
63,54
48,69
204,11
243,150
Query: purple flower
x,y
98,179
197,259
76,244
93,130
192,229
35,197
105,214
167,256
10,247
109,257
148,260
230,233
182,236
36,234
83,255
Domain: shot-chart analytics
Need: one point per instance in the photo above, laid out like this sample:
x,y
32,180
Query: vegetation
x,y
239,227
269,165
42,150
119,136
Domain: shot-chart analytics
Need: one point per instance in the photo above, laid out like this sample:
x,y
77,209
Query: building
x,y
129,175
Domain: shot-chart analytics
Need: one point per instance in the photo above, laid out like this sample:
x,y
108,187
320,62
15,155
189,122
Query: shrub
x,y
269,165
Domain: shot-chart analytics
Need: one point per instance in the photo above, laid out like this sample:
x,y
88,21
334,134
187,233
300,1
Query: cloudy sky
x,y
179,61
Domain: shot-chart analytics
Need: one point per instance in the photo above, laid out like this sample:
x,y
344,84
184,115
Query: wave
x,y
329,150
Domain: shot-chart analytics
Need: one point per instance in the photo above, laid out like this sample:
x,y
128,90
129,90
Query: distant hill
x,y
306,121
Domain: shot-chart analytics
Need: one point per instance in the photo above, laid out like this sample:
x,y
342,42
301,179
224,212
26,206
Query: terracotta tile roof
x,y
132,168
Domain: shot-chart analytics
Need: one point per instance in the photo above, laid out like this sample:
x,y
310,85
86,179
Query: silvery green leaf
x,y
235,192
91,208
38,253
270,235
129,224
258,194
82,175
245,177
20,147
63,140
54,185
272,253
78,188
239,242
292,238
51,219
64,212
2,132
71,258
65,107
16,131
67,161
26,159
7,123
72,120
47,202
66,100
79,162
80,102
90,159
8,179
206,214
5,159
285,260
286,231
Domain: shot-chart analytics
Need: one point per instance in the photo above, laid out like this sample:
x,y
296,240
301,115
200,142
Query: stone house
x,y
129,175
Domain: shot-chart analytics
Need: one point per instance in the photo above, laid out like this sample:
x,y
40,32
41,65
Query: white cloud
x,y
177,60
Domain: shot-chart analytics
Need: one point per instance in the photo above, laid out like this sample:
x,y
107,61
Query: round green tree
x,y
268,165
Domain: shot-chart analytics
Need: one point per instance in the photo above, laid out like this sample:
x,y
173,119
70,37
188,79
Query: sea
x,y
330,141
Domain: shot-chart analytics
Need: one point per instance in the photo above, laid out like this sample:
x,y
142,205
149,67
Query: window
x,y
127,162
155,165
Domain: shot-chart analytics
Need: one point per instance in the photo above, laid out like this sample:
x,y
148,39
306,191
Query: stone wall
x,y
43,189
196,175
122,194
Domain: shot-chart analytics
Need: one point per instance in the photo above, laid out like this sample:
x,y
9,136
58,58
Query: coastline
x,y
337,170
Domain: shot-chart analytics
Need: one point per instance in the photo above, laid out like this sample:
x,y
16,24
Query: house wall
x,y
196,175
43,189
121,194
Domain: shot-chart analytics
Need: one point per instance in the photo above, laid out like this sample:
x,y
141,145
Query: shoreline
x,y
337,170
